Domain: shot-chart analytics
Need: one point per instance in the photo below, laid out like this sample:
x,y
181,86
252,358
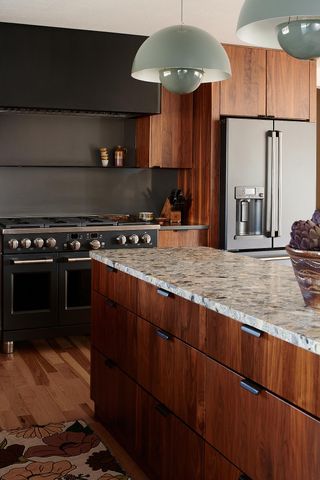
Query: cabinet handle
x,y
111,269
251,331
110,303
163,293
110,363
250,386
163,335
244,477
162,409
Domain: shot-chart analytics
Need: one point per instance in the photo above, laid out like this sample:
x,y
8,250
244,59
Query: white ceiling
x,y
142,17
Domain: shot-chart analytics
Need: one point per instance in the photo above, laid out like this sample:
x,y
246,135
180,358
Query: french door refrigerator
x,y
268,180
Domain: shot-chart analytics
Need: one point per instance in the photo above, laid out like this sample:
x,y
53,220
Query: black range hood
x,y
58,70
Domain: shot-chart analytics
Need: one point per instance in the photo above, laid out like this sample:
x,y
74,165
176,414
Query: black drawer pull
x,y
111,269
244,477
163,335
163,293
110,363
110,303
251,330
162,409
250,387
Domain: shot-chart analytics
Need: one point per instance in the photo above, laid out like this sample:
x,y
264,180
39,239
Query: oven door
x,y
29,291
74,288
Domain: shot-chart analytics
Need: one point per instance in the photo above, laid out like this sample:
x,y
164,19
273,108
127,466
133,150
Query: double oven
x,y
46,272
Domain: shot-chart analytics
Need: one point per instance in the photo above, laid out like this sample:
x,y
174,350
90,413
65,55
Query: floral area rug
x,y
58,451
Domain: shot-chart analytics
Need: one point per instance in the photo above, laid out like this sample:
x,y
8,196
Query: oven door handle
x,y
81,259
29,262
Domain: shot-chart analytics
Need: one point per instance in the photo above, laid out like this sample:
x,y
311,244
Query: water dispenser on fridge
x,y
249,208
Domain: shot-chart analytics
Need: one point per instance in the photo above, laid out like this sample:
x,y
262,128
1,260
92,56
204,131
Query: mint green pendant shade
x,y
259,23
179,56
301,38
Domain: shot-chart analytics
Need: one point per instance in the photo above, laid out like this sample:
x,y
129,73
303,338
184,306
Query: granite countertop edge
x,y
290,336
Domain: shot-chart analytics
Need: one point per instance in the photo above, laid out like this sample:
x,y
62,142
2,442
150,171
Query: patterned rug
x,y
58,451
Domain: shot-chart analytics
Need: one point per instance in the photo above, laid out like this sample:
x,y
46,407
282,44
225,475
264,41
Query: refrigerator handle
x,y
280,158
269,183
274,196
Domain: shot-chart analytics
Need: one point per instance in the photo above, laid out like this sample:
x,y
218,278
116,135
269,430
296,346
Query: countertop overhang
x,y
264,295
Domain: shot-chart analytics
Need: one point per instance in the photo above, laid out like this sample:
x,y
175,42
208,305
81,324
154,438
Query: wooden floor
x,y
48,381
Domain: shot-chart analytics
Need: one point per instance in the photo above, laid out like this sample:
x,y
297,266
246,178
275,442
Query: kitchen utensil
x,y
146,216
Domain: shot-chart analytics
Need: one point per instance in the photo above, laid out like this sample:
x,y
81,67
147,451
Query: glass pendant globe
x,y
180,80
300,38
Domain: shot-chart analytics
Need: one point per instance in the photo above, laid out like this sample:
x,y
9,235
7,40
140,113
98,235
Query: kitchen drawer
x,y
116,285
289,371
115,397
166,447
114,333
173,372
182,318
264,436
218,468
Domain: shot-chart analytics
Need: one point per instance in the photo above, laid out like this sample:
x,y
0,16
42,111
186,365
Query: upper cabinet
x,y
268,83
58,68
165,140
245,92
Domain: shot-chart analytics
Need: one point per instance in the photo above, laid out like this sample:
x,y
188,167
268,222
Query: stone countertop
x,y
261,294
184,227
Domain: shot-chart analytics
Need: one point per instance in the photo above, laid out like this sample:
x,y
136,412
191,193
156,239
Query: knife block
x,y
174,216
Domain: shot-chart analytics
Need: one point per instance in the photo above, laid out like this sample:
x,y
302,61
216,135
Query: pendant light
x,y
293,25
181,57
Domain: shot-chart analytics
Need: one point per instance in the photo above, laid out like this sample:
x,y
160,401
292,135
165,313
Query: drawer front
x,y
115,285
289,371
218,468
182,318
167,448
173,372
261,434
115,397
114,333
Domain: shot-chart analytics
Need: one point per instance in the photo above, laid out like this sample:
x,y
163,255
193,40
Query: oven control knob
x,y
51,242
134,238
75,245
25,243
122,239
146,238
38,242
95,244
13,243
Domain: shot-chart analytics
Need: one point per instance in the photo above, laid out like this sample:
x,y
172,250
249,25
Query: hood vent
x,y
78,113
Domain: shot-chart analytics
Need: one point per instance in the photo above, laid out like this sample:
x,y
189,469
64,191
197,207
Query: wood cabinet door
x,y
173,372
288,86
165,140
182,238
244,94
218,468
115,397
114,333
182,318
115,285
166,447
264,436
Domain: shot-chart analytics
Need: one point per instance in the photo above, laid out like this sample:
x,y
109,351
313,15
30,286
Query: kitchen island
x,y
219,357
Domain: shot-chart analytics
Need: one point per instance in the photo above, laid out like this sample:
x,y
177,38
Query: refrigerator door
x,y
245,167
297,187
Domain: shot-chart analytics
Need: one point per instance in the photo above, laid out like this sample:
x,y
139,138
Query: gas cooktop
x,y
50,222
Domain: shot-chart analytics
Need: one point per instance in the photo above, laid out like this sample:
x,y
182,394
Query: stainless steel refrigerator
x,y
268,180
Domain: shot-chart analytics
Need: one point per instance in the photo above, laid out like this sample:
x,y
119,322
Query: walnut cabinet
x,y
192,394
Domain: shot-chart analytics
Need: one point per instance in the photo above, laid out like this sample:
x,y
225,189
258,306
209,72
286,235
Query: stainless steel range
x,y
46,272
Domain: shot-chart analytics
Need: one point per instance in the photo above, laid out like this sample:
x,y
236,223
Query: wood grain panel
x,y
115,285
182,238
143,139
172,372
291,372
182,318
244,94
288,86
264,436
217,467
313,90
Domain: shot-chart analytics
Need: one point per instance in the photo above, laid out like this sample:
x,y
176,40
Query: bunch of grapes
x,y
305,235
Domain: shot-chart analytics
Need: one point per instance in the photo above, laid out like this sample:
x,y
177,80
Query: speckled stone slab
x,y
261,294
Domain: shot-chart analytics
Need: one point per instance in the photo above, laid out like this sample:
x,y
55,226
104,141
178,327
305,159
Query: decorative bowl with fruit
x,y
304,252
